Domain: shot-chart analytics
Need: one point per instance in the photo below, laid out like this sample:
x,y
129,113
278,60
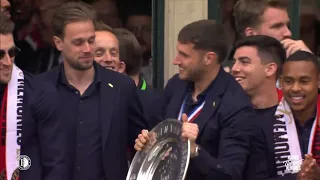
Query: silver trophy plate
x,y
165,155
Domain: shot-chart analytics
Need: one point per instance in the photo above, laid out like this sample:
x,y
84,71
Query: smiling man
x,y
299,82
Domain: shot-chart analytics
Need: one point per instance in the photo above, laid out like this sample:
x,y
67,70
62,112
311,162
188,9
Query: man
x,y
139,22
264,17
301,103
99,108
257,63
258,60
220,126
29,119
131,57
119,50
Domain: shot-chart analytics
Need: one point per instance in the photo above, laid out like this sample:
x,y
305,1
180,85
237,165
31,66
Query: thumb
x,y
184,118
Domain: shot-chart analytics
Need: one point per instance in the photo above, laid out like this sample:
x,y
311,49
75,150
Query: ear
x,y
249,31
58,42
271,69
122,67
210,58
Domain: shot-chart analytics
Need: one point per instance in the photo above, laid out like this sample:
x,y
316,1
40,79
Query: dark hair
x,y
305,56
269,49
247,13
206,35
130,51
71,12
6,25
101,26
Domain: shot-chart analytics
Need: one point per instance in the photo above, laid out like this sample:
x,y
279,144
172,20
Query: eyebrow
x,y
183,53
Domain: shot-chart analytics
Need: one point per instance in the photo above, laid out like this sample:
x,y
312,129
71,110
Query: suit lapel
x,y
175,103
108,97
212,100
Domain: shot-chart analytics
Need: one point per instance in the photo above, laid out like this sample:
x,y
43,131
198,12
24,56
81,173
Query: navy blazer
x,y
225,127
41,137
121,120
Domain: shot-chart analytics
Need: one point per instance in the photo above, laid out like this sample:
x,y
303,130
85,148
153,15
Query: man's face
x,y
107,51
141,27
300,85
7,55
107,11
275,24
78,44
189,61
248,69
5,7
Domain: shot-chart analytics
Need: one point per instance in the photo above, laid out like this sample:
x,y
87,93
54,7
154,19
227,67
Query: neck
x,y
203,83
265,97
305,115
79,79
136,79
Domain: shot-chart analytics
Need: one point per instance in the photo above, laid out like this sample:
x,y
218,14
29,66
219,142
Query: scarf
x,y
288,156
11,126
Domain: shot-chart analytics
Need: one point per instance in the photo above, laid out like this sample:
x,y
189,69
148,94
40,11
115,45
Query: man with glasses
x,y
28,119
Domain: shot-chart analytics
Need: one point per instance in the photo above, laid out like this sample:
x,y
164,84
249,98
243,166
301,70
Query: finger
x,y
192,132
139,143
142,139
189,127
184,118
189,136
137,148
145,133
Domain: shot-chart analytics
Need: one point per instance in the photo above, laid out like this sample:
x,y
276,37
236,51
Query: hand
x,y
292,46
307,168
190,131
141,140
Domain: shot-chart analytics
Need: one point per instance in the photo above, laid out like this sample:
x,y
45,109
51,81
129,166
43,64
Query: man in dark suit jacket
x,y
265,55
219,112
29,106
99,107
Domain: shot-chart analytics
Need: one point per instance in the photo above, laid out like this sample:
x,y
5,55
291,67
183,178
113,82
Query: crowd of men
x,y
84,118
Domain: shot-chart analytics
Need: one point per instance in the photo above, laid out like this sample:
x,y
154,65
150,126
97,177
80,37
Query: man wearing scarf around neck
x,y
28,119
297,125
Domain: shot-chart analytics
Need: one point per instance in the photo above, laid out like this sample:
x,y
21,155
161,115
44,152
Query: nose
x,y
6,60
296,87
86,47
235,68
108,57
176,61
287,33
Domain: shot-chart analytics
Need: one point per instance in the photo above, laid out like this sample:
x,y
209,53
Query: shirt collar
x,y
97,74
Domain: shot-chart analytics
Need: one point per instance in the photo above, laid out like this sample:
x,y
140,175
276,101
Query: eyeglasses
x,y
12,52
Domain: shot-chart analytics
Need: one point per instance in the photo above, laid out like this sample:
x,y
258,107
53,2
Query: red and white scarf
x,y
287,141
11,126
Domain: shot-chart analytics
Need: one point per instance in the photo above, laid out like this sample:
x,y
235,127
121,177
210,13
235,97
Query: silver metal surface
x,y
165,155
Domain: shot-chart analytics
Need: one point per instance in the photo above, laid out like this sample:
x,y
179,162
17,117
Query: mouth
x,y
109,67
296,99
239,79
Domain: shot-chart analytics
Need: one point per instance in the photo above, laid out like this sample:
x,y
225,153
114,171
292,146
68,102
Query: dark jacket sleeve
x,y
234,148
50,138
137,121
